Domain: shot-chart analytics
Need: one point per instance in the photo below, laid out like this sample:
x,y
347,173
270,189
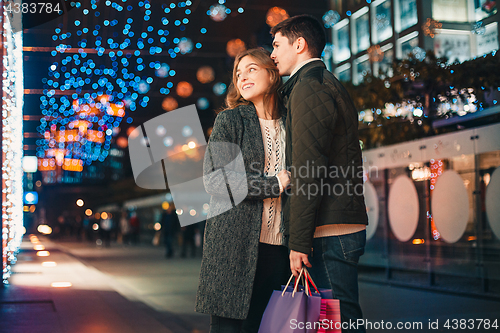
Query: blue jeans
x,y
334,263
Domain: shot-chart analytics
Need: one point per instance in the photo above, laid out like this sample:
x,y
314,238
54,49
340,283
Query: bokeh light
x,y
235,46
275,15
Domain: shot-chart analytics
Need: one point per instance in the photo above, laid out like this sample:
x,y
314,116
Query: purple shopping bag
x,y
292,310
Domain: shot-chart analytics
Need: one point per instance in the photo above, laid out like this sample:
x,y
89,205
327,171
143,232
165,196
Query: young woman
x,y
244,257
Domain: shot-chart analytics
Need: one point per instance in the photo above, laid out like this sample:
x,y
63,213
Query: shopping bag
x,y
329,317
291,310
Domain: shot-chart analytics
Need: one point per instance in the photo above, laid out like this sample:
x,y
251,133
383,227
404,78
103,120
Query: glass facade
x,y
376,24
455,220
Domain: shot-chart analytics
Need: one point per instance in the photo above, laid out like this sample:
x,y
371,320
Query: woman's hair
x,y
263,59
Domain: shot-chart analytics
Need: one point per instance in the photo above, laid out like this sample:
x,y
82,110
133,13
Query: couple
x,y
309,122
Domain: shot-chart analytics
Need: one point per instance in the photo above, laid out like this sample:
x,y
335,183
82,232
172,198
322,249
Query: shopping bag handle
x,y
308,277
296,284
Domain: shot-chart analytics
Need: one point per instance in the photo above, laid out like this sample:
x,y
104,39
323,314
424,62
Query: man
x,y
325,214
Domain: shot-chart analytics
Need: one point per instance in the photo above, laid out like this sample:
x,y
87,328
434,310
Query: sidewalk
x,y
135,289
90,305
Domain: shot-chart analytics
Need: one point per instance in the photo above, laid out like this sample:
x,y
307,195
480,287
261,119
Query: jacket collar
x,y
288,86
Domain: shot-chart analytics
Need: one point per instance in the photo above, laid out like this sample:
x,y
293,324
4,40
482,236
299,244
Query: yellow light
x,y
95,226
471,238
32,208
192,144
157,226
418,241
79,202
49,264
61,284
26,209
44,229
165,205
43,253
185,147
39,247
104,215
88,212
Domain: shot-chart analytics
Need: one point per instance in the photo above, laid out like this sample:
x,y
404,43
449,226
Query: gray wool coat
x,y
232,237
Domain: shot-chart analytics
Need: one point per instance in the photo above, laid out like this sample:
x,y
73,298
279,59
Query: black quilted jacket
x,y
323,155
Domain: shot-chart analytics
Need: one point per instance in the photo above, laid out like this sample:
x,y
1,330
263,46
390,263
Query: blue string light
x,y
77,74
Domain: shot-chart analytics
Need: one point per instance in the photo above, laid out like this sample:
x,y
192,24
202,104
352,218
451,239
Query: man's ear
x,y
301,45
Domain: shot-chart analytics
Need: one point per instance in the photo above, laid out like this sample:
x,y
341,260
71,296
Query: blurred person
x,y
244,259
321,134
106,226
169,222
125,228
188,241
135,228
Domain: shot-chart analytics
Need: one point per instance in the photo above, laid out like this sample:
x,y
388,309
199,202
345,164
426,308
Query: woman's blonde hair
x,y
263,59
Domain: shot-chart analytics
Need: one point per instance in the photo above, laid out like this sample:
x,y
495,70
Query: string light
x,y
12,140
113,63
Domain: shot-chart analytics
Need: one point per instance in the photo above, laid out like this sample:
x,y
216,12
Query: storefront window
x,y
341,41
381,21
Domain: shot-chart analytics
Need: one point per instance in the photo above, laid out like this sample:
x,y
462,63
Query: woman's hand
x,y
284,177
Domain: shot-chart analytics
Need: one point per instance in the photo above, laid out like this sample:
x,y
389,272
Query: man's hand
x,y
296,261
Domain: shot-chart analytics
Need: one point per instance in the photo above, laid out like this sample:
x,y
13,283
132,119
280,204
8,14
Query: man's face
x,y
284,54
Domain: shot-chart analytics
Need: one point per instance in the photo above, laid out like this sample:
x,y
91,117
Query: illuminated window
x,y
381,21
407,44
405,14
361,30
361,69
341,41
343,73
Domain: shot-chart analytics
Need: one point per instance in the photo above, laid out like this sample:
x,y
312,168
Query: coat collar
x,y
249,112
288,86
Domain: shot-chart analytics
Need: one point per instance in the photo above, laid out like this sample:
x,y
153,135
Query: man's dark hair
x,y
305,26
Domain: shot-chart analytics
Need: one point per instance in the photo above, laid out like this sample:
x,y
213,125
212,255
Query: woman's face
x,y
253,81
